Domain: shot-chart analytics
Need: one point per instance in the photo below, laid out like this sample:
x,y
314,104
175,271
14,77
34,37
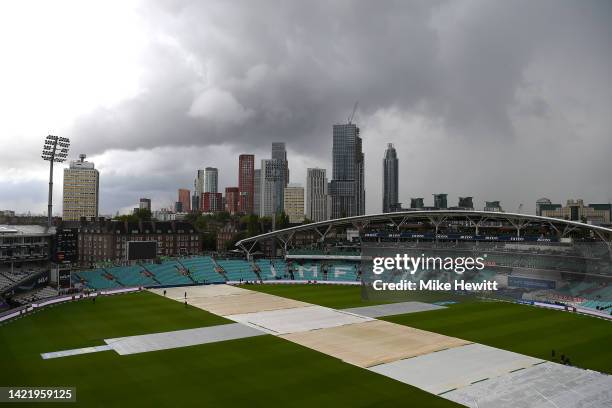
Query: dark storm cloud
x,y
523,77
295,68
288,70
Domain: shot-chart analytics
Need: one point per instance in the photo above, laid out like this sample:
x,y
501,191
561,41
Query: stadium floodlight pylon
x,y
55,150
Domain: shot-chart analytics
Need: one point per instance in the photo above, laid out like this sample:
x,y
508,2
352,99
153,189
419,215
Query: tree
x,y
252,226
131,218
209,241
282,220
237,237
142,214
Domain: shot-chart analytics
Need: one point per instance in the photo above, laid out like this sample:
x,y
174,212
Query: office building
x,y
294,203
81,190
390,180
316,195
232,200
575,210
347,189
246,183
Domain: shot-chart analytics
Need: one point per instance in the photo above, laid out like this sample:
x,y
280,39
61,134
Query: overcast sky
x,y
500,100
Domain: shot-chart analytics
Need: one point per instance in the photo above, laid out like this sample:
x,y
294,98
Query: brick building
x,y
106,241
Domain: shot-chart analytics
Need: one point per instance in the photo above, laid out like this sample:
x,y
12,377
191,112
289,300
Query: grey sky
x,y
494,99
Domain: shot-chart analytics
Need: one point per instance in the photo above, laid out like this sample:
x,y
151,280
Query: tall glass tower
x,y
280,153
347,187
390,180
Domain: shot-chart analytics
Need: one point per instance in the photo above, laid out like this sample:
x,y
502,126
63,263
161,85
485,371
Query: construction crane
x,y
352,116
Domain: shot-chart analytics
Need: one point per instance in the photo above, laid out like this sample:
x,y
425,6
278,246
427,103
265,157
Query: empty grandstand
x,y
531,257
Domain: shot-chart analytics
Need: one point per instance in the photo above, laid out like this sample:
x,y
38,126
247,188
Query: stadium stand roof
x,y
436,217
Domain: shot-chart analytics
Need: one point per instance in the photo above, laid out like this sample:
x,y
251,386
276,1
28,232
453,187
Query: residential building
x,y
271,187
545,204
81,190
246,183
316,195
184,197
493,206
256,191
232,200
390,186
106,241
294,203
465,203
440,201
211,202
198,190
417,203
211,180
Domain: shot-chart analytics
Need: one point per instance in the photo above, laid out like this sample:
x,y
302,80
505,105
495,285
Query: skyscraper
x,y
256,191
211,180
246,183
293,204
316,195
280,153
272,187
81,190
184,199
198,190
390,180
347,188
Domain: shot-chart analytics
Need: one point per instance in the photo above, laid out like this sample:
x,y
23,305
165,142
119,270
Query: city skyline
x,y
516,126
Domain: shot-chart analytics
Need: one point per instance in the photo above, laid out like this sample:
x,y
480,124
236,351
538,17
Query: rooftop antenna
x,y
352,116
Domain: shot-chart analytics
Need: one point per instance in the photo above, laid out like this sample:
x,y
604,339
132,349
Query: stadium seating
x,y
237,269
595,304
202,269
96,280
169,273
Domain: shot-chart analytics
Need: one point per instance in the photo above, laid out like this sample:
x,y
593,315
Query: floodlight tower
x,y
54,150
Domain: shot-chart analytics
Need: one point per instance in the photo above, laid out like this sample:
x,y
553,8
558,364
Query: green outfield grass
x,y
262,371
347,296
334,296
523,329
